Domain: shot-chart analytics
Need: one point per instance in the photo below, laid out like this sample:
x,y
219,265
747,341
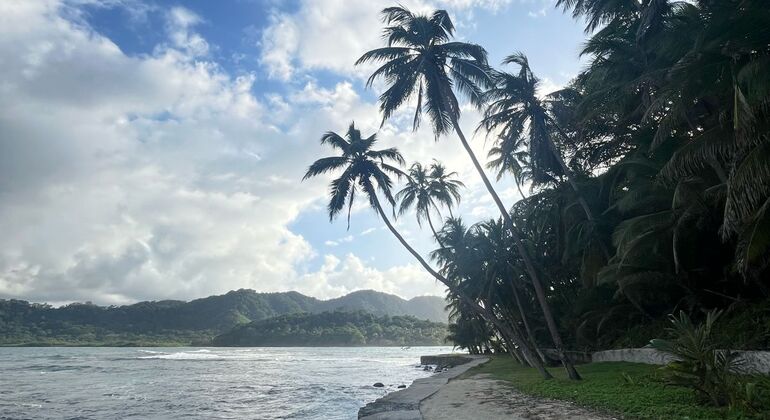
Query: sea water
x,y
201,383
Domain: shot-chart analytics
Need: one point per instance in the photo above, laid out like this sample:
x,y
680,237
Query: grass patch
x,y
631,389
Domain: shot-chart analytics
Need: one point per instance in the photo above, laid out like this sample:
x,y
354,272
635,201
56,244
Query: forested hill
x,y
337,328
378,303
178,321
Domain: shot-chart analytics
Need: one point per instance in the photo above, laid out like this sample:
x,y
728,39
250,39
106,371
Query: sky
x,y
154,149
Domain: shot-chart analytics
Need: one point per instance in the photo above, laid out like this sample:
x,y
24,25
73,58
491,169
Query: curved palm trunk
x,y
531,271
524,319
435,235
513,351
518,187
513,322
483,312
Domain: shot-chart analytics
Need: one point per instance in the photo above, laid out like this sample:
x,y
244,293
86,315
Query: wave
x,y
185,355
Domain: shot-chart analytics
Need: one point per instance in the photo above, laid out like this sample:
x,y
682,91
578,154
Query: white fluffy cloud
x,y
337,277
334,33
162,176
126,178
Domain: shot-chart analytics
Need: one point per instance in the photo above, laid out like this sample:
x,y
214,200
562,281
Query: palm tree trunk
x,y
435,235
531,271
513,351
510,316
483,312
524,319
518,187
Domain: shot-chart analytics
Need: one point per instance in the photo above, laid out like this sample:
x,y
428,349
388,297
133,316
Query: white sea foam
x,y
185,355
159,382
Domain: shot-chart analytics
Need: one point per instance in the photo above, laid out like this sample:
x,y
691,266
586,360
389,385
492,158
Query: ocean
x,y
201,383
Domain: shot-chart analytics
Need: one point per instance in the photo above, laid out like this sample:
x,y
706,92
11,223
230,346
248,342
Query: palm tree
x,y
426,189
514,107
421,62
495,244
445,187
470,260
366,170
508,156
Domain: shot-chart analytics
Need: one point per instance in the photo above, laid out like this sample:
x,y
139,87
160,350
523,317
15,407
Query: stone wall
x,y
754,361
642,355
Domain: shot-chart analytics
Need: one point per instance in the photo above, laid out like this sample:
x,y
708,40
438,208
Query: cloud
x,y
344,239
126,178
179,24
340,276
280,42
334,33
158,176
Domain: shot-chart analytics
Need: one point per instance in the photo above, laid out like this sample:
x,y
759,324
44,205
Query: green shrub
x,y
698,364
718,376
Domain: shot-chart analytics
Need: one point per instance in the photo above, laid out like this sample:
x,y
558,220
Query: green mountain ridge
x,y
172,321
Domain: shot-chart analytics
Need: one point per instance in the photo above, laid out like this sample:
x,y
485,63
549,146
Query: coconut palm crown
x,y
420,61
365,169
426,189
445,188
521,117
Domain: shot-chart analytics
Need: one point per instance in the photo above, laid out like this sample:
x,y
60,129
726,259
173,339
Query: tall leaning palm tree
x,y
513,107
367,171
422,62
426,189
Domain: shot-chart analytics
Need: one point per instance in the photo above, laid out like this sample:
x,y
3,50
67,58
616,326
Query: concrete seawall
x,y
405,404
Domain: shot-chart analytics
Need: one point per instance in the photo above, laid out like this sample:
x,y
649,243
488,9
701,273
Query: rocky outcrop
x,y
445,360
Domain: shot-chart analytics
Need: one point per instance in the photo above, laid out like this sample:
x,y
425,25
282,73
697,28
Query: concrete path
x,y
480,397
405,404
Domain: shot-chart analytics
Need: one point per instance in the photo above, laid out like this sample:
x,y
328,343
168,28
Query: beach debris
x,y
401,386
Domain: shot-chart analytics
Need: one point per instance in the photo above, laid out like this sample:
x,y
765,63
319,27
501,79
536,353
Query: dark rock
x,y
401,386
448,360
378,385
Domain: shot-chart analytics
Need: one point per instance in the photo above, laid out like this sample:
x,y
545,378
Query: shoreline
x,y
404,404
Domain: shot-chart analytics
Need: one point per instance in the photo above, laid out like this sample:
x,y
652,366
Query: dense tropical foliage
x,y
648,177
337,328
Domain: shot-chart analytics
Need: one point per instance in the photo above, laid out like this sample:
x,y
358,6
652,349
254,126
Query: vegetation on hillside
x,y
183,323
648,176
335,329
